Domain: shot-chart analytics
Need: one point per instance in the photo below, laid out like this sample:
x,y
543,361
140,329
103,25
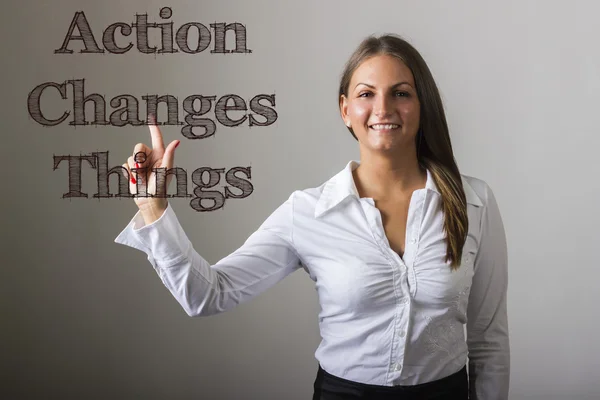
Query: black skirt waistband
x,y
453,387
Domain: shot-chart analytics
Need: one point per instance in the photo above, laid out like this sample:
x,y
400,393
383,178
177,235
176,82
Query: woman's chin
x,y
388,143
383,145
382,148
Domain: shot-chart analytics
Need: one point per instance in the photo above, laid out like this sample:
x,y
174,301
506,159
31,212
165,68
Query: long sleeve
x,y
487,319
202,289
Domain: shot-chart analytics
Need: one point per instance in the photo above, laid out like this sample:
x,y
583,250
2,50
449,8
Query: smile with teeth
x,y
379,127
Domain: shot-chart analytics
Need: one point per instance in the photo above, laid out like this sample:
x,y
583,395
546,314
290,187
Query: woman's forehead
x,y
382,69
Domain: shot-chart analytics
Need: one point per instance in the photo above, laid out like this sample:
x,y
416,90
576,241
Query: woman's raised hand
x,y
145,159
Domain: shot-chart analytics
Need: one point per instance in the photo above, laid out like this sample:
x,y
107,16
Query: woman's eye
x,y
364,94
402,94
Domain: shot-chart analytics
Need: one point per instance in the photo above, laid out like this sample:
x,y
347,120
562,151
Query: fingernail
x,y
177,144
137,165
133,180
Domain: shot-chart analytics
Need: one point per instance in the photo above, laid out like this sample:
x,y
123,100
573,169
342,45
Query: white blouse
x,y
385,319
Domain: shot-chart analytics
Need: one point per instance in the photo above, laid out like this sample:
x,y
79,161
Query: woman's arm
x,y
266,257
487,320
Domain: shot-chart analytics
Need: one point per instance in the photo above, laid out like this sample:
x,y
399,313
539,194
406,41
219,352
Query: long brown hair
x,y
434,150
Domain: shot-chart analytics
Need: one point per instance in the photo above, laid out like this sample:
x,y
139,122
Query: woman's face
x,y
382,106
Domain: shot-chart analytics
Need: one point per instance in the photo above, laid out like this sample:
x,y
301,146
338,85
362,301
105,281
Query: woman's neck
x,y
383,178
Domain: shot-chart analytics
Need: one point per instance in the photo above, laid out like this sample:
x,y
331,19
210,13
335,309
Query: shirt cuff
x,y
163,240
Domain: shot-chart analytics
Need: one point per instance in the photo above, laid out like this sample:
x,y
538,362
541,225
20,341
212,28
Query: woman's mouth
x,y
384,127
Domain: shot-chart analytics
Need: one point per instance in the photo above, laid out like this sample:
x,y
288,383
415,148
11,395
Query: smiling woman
x,y
403,249
382,106
391,105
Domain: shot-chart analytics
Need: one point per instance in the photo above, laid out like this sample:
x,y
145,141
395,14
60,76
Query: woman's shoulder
x,y
476,189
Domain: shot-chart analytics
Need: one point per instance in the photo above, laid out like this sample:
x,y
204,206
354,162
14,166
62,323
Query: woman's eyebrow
x,y
373,87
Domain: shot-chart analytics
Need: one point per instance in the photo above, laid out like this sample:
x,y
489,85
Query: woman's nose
x,y
382,106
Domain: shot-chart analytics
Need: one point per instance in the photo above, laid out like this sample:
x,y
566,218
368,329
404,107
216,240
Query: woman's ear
x,y
344,110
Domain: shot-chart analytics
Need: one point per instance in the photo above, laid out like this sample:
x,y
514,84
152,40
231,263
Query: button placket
x,y
397,351
413,228
400,274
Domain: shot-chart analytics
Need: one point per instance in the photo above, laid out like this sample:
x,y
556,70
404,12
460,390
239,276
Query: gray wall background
x,y
85,318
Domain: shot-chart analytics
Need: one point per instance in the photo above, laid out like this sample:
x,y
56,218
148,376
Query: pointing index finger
x,y
157,141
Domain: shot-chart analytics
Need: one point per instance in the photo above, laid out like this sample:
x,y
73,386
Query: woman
x,y
403,249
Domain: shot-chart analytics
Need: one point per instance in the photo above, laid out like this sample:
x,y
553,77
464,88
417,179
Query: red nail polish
x,y
133,180
177,144
137,165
